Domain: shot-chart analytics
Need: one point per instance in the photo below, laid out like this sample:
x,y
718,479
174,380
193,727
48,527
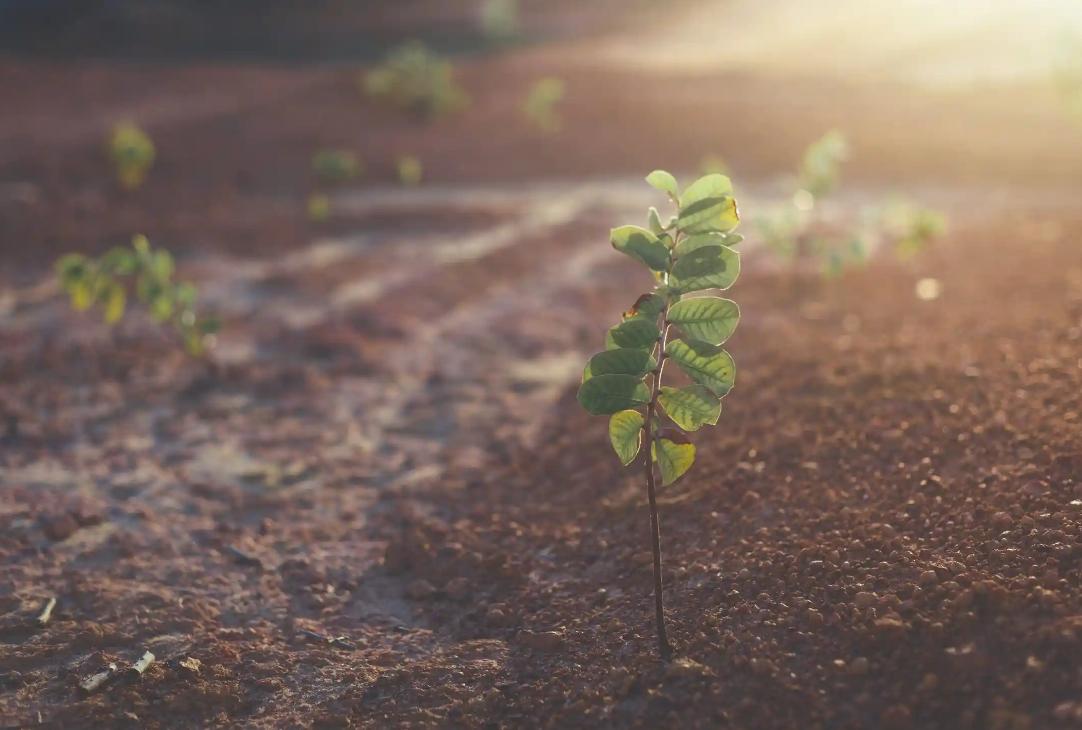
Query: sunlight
x,y
923,41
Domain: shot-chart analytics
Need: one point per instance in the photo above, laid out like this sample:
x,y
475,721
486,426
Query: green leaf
x,y
209,325
653,219
710,319
690,408
710,267
637,332
608,394
161,264
72,268
621,361
664,182
708,205
82,294
641,245
674,457
625,434
708,365
119,261
698,240
185,294
194,343
648,306
115,300
161,307
147,288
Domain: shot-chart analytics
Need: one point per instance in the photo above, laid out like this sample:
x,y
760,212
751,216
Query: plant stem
x,y
664,647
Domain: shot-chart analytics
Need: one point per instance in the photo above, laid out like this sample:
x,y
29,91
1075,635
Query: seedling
x,y
132,153
798,228
649,421
410,170
788,230
499,20
109,280
335,166
416,80
821,167
319,208
911,227
541,104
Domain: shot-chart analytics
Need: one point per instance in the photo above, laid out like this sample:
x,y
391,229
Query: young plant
x,y
798,228
318,208
788,231
499,20
109,280
911,227
132,154
689,254
820,168
410,170
541,104
416,80
335,166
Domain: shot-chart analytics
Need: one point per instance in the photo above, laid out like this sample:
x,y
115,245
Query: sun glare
x,y
924,41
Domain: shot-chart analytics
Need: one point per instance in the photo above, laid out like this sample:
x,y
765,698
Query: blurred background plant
x,y
820,168
146,272
542,101
410,170
800,228
336,166
318,208
417,80
500,20
911,227
132,153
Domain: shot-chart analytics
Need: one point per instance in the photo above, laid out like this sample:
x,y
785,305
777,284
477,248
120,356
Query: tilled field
x,y
379,504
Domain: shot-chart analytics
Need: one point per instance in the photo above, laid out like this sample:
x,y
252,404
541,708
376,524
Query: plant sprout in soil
x,y
689,256
111,279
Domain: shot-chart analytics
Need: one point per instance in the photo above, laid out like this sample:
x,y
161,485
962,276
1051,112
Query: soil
x,y
379,504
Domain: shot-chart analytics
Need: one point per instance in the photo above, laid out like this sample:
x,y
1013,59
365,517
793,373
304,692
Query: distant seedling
x,y
318,208
542,102
820,169
499,20
689,254
111,279
410,170
132,153
911,227
416,80
335,166
799,229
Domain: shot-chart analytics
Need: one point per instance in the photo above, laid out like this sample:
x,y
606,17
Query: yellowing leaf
x,y
673,459
625,433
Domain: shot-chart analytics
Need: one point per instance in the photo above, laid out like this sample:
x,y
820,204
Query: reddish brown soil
x,y
884,531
